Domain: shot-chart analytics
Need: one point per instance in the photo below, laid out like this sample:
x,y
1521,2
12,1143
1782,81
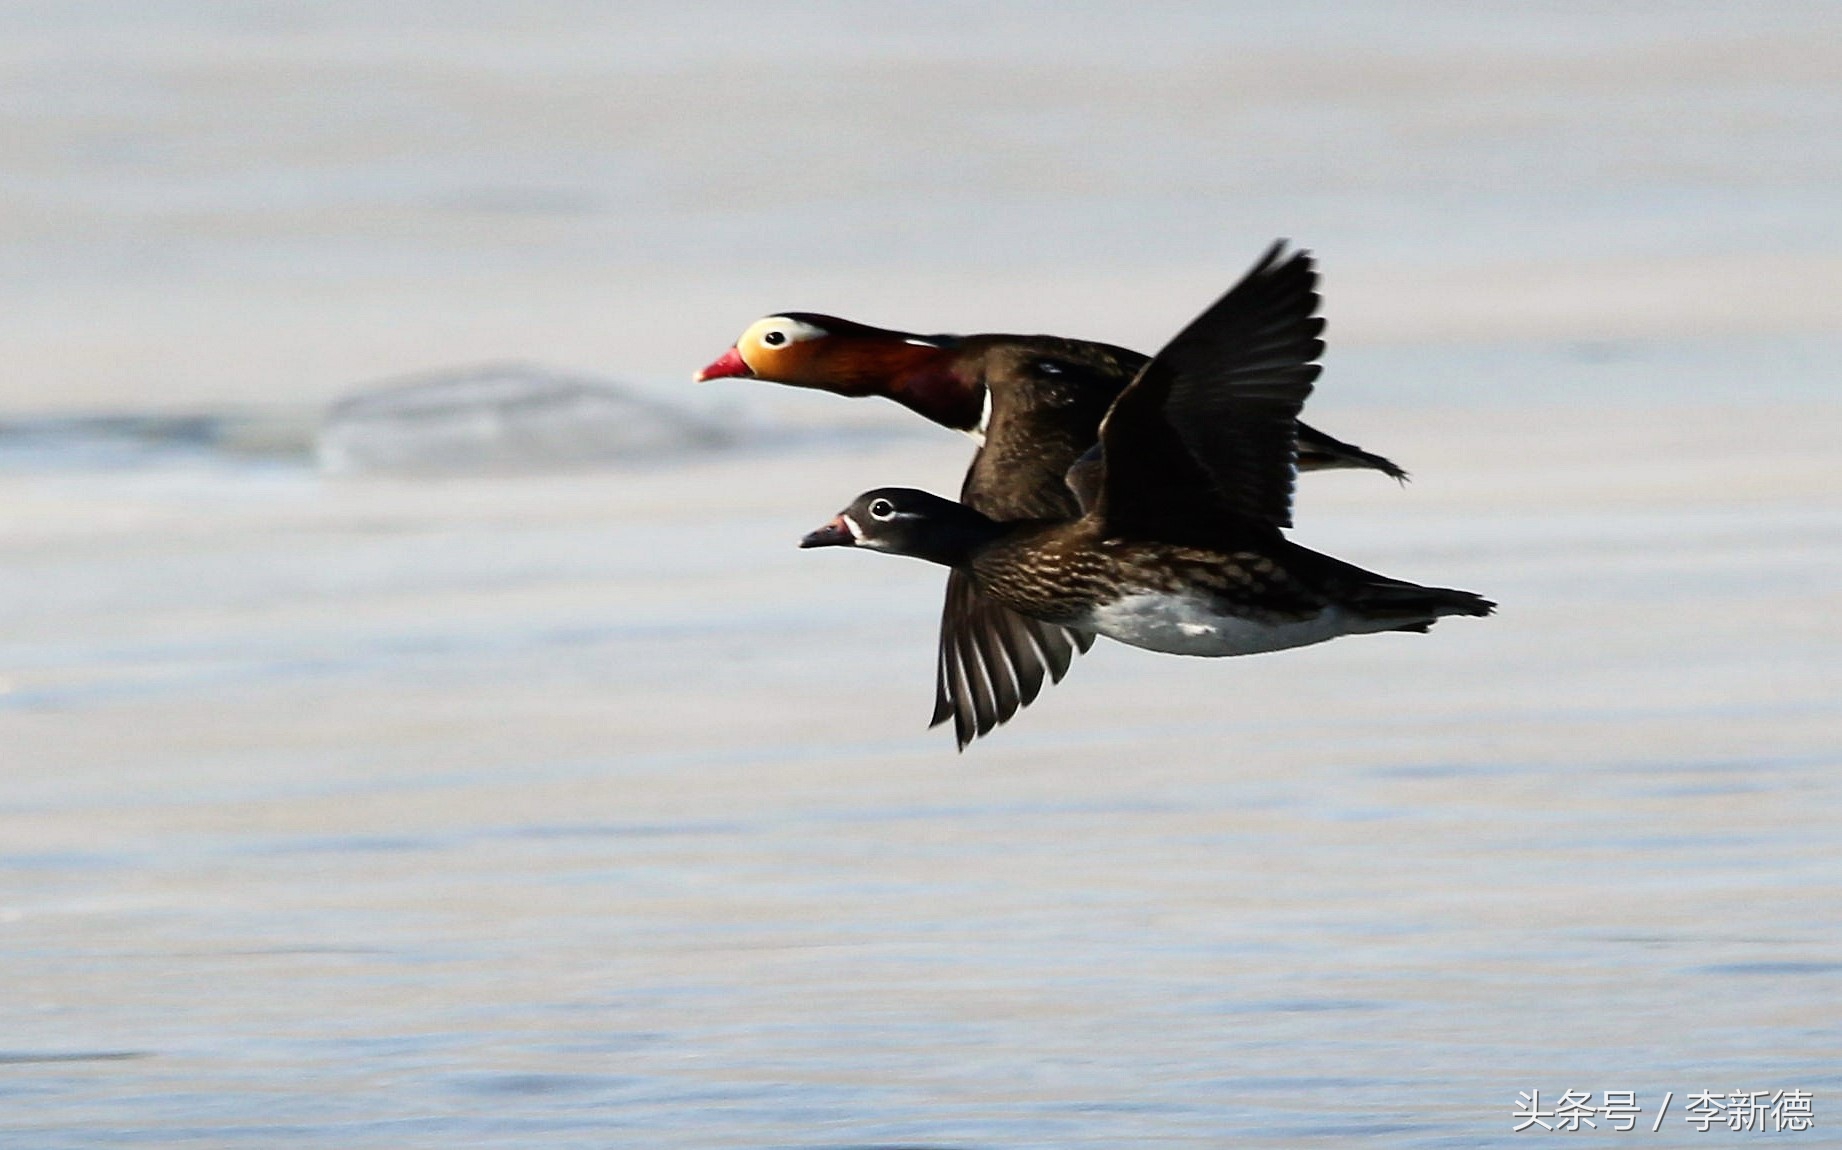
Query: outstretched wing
x,y
992,661
1210,426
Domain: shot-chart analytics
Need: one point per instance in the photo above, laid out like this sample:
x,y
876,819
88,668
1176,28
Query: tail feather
x,y
1416,606
1395,604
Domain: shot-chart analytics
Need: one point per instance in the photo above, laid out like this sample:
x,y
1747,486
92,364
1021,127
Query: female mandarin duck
x,y
1035,404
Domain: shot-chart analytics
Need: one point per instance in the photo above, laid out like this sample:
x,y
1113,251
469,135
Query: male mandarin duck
x,y
1035,404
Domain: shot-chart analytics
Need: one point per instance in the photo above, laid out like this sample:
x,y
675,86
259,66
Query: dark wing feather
x,y
1209,428
1320,452
952,697
992,661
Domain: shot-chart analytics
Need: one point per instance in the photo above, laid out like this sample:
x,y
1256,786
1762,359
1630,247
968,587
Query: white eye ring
x,y
882,510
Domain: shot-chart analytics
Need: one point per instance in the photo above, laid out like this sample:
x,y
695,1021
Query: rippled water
x,y
586,811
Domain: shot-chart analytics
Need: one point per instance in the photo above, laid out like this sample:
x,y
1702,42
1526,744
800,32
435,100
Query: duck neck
x,y
952,539
925,375
936,389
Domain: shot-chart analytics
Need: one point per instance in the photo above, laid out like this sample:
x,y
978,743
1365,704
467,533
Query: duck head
x,y
904,521
804,349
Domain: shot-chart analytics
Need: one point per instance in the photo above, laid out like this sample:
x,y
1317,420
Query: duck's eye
x,y
774,338
1050,367
882,510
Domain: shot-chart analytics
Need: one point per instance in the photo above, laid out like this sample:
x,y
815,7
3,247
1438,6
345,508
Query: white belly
x,y
1191,625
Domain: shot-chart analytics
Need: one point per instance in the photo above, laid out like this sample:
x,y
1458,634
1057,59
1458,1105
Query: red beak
x,y
833,534
730,363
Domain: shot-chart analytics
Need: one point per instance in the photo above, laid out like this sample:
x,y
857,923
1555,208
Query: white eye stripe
x,y
780,330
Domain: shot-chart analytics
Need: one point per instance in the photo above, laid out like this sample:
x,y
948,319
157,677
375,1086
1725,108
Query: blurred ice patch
x,y
505,417
141,439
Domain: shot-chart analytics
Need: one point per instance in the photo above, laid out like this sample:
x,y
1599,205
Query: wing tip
x,y
986,677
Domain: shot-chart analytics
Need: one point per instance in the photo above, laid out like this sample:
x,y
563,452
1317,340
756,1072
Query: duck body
x,y
1043,402
1161,597
1198,601
1268,594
